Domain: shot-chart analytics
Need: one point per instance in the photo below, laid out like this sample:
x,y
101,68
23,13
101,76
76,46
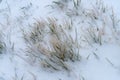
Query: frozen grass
x,y
93,36
56,45
2,44
98,21
69,7
6,43
52,44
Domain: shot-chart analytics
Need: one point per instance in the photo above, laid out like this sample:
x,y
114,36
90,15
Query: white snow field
x,y
94,23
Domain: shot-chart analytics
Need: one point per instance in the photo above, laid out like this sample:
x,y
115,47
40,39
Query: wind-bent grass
x,y
51,44
102,20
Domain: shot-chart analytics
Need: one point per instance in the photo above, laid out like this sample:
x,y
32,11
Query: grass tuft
x,y
51,44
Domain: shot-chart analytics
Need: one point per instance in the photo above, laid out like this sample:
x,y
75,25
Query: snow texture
x,y
97,63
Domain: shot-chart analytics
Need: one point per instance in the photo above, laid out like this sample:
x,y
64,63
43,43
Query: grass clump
x,y
51,44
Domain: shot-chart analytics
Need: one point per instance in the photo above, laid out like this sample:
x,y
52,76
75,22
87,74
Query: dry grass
x,y
52,44
2,44
94,35
102,20
67,6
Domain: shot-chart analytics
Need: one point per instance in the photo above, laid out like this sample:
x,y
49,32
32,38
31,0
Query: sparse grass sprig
x,y
2,43
94,35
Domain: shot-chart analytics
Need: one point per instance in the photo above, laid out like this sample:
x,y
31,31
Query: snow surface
x,y
97,63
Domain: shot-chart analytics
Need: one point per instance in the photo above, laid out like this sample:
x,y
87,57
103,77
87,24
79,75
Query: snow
x,y
101,68
97,63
